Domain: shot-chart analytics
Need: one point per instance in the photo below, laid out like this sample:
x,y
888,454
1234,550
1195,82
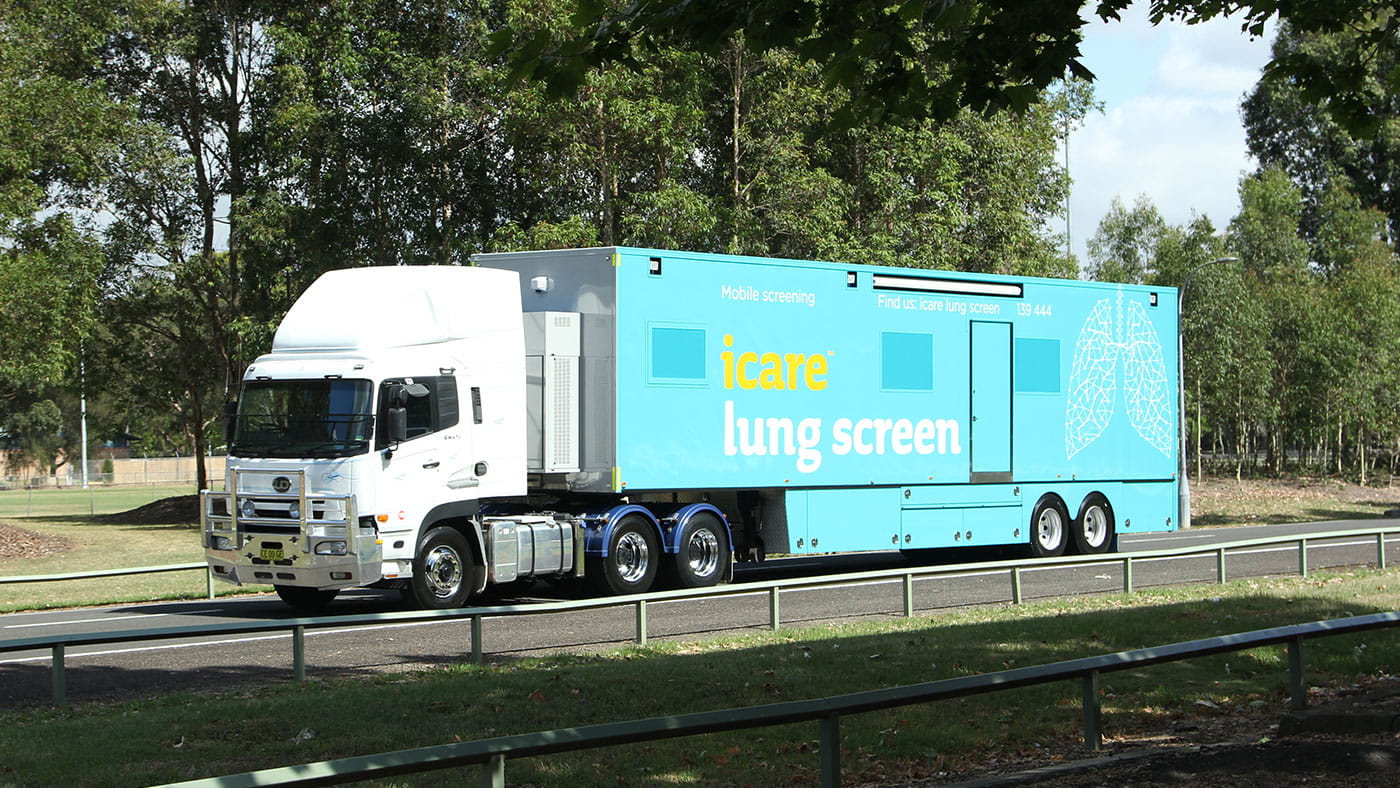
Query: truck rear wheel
x,y
703,555
1093,528
309,600
442,570
630,567
1049,527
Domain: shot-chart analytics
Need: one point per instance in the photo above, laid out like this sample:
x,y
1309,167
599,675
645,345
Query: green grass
x,y
101,546
50,502
192,735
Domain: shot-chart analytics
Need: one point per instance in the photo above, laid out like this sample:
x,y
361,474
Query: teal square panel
x,y
1038,366
677,353
906,361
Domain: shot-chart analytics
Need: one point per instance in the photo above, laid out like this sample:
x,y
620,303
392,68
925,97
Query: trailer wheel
x,y
1049,527
702,555
442,570
1093,528
310,600
634,555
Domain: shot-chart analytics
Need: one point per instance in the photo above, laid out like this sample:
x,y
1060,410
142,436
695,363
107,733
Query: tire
x,y
308,600
702,557
443,572
1094,527
634,556
1050,527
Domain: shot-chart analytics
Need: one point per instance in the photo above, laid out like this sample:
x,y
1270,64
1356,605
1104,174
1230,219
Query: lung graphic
x,y
1116,332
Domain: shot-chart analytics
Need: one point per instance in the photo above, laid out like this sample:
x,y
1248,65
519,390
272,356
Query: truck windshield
x,y
303,418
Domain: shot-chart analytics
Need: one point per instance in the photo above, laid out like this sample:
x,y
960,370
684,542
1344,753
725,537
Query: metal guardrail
x,y
59,643
135,570
490,754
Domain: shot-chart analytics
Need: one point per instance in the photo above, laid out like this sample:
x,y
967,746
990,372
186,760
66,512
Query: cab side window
x,y
427,414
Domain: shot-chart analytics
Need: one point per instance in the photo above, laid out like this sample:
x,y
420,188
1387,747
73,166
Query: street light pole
x,y
1184,487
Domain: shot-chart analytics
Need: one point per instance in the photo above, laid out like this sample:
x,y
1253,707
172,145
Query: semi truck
x,y
644,418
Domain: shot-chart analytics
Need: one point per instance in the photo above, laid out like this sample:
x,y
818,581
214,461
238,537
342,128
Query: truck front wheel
x,y
442,570
703,555
630,566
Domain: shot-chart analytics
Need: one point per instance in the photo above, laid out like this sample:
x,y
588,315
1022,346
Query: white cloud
x,y
1170,127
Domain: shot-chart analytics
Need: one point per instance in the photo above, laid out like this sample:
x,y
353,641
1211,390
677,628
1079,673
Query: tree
x,y
1287,126
1124,247
926,58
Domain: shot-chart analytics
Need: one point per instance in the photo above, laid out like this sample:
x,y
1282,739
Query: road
x,y
118,670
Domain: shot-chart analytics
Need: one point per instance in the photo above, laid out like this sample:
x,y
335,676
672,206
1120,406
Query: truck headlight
x,y
294,512
222,543
330,548
247,508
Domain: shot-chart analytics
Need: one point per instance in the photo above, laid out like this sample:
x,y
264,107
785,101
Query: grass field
x,y
51,502
185,736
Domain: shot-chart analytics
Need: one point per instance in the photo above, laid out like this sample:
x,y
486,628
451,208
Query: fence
x,y
120,472
58,644
490,754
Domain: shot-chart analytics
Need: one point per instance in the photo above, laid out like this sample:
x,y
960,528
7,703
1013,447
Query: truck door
x,y
990,396
415,475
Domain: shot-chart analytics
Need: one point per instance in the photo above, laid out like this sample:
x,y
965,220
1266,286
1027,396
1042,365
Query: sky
x,y
1170,126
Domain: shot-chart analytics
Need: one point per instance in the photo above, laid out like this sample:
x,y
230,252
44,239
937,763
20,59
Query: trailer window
x,y
677,354
1037,366
906,361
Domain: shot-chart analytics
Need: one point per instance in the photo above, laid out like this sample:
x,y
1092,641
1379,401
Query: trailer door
x,y
990,379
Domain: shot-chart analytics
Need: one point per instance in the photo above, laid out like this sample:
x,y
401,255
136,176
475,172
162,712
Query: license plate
x,y
271,555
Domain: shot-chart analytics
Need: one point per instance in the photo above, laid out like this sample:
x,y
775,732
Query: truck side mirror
x,y
396,425
230,420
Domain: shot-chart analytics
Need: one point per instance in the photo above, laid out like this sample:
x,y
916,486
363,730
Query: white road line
x,y
110,618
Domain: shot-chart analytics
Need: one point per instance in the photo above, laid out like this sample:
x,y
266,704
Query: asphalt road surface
x,y
133,670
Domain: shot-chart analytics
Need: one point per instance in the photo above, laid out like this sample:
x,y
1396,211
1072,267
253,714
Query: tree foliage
x,y
929,58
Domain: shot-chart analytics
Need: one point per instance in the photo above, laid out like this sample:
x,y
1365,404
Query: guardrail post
x,y
1127,574
299,653
60,680
1303,557
478,655
773,620
493,772
1380,550
909,596
1220,566
1093,732
1016,585
1295,674
641,622
831,751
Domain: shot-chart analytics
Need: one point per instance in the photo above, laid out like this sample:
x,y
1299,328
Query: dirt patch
x,y
1258,501
180,510
18,543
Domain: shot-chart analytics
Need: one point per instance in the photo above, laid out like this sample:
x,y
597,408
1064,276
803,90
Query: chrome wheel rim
x,y
702,552
632,557
443,570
